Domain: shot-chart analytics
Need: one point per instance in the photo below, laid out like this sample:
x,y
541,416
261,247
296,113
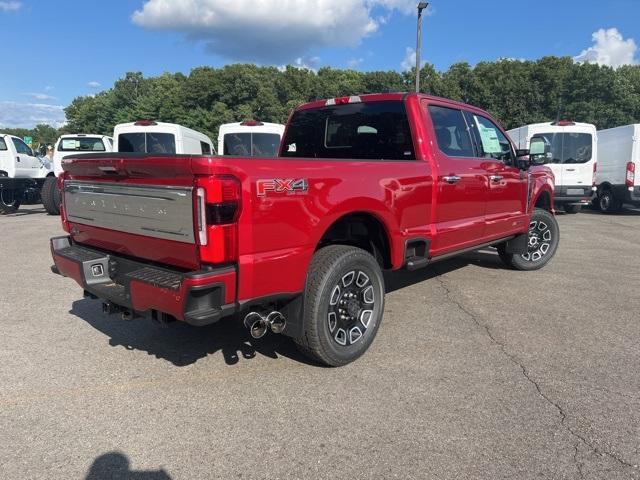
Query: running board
x,y
447,256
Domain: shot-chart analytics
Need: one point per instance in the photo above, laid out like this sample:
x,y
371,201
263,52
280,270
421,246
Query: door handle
x,y
17,159
496,178
571,169
451,179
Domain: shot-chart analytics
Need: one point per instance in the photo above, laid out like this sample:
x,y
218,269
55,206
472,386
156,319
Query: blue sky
x,y
54,51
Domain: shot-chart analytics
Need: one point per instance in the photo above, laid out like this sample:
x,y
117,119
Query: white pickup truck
x,y
22,174
70,145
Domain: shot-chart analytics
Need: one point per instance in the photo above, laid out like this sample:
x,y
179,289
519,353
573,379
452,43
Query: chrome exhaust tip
x,y
256,324
276,322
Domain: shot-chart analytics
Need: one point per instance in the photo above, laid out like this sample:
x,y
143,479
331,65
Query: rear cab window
x,y
452,132
147,142
81,144
365,131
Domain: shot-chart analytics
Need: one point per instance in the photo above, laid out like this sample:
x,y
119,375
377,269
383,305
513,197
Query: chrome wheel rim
x,y
605,201
7,193
540,238
351,306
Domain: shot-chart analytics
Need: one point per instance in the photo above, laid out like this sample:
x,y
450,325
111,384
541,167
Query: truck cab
x,y
79,143
250,139
22,173
571,153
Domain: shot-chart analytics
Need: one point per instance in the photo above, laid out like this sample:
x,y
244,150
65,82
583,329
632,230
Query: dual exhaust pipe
x,y
258,324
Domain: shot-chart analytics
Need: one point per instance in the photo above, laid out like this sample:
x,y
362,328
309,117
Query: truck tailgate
x,y
141,207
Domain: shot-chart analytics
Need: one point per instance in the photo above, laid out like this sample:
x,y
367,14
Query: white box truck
x,y
571,151
22,174
147,136
617,179
250,139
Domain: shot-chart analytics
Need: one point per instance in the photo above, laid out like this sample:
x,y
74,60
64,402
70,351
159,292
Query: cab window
x,y
22,147
490,140
3,145
452,133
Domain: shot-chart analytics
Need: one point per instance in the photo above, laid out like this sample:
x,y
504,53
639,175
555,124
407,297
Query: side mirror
x,y
537,151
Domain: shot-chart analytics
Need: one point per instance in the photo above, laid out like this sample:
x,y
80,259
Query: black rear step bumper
x,y
198,298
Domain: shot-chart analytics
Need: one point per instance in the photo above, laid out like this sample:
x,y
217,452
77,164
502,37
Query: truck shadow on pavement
x,y
116,465
183,345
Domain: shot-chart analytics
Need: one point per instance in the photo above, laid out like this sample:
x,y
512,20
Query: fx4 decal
x,y
290,186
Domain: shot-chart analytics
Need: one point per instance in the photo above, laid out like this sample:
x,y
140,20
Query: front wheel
x,y
343,305
544,237
9,201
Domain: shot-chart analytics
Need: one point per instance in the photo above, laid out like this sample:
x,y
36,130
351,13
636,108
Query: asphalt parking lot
x,y
477,372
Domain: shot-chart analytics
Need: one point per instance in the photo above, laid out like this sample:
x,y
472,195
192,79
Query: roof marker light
x,y
564,123
145,123
252,123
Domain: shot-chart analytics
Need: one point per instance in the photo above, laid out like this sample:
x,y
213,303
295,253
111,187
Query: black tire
x,y
544,237
607,201
343,279
572,209
51,196
9,202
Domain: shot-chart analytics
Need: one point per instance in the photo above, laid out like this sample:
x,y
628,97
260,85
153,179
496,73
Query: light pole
x,y
421,6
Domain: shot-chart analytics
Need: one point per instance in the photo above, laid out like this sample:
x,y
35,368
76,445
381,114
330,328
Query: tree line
x,y
515,92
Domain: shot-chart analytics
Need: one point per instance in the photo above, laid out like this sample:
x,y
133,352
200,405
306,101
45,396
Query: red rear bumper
x,y
198,298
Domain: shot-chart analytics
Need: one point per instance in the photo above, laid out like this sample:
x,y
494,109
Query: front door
x,y
507,184
461,186
27,164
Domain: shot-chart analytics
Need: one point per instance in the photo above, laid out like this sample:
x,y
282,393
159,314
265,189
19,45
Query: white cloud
x,y
409,60
269,31
354,63
48,88
303,64
10,6
39,96
28,115
610,48
94,84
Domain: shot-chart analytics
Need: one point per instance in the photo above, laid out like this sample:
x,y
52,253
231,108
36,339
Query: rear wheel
x,y
607,202
343,305
9,201
51,196
544,237
572,209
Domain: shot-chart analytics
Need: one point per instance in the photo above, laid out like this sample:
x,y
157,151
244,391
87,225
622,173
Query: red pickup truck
x,y
297,243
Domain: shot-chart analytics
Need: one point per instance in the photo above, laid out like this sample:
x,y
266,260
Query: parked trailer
x,y
250,139
571,150
618,161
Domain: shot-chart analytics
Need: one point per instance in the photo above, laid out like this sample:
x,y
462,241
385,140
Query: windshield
x,y
567,147
143,142
367,131
251,144
81,144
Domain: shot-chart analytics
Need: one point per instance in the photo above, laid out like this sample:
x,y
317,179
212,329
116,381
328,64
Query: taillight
x,y
63,214
343,100
595,171
218,208
631,174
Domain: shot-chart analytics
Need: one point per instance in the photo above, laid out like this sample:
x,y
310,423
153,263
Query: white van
x,y
72,144
250,139
160,138
571,150
22,173
617,179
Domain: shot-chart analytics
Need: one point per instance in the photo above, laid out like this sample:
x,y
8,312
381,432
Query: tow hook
x,y
258,324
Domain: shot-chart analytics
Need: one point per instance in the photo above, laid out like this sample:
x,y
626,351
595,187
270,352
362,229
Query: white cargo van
x,y
571,151
250,139
72,144
160,138
617,179
22,174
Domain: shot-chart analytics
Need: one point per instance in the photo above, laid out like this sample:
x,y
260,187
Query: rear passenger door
x,y
461,183
507,184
